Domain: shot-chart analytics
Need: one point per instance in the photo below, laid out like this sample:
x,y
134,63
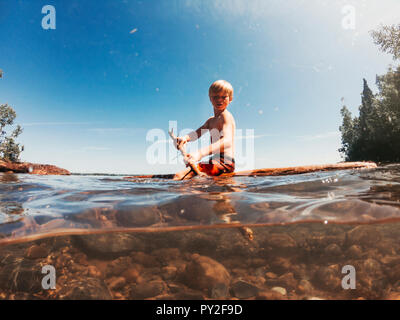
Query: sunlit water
x,y
110,238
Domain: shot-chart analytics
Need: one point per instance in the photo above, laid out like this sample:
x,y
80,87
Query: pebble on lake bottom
x,y
145,266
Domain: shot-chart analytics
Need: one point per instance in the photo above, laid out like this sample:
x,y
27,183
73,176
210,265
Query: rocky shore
x,y
32,168
298,262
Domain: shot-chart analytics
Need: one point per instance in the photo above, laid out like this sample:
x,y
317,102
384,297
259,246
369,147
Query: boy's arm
x,y
194,135
219,146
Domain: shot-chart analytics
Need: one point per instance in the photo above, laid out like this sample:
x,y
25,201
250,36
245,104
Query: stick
x,y
191,164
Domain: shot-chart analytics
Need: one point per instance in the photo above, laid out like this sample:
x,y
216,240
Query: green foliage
x,y
388,38
9,149
349,134
375,134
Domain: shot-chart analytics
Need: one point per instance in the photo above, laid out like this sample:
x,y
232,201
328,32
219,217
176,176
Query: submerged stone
x,y
333,250
108,244
116,283
280,241
36,252
118,266
280,290
365,236
305,287
85,289
219,291
243,290
270,295
287,280
204,273
147,289
372,267
21,275
354,251
281,265
138,216
328,278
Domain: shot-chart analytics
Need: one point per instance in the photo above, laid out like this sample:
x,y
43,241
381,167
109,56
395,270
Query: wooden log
x,y
302,169
281,171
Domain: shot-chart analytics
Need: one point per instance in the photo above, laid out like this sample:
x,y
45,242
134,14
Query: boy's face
x,y
220,100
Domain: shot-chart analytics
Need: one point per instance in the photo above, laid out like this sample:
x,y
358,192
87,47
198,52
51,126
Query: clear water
x,y
110,238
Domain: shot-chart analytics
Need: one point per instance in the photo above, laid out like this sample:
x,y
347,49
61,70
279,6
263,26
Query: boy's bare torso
x,y
223,125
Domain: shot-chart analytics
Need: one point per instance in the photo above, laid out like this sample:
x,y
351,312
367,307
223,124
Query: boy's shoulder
x,y
228,113
227,116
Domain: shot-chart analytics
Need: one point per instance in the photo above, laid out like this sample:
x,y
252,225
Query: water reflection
x,y
8,177
93,203
230,238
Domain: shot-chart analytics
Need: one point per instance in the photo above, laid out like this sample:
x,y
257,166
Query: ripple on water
x,y
87,202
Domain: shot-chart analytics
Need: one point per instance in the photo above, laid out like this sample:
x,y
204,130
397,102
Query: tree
x,y
388,38
9,149
366,119
375,134
389,107
349,135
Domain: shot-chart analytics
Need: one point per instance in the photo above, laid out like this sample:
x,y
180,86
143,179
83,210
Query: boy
x,y
222,129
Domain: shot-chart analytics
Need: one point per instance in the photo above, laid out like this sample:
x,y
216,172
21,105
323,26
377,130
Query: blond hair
x,y
221,85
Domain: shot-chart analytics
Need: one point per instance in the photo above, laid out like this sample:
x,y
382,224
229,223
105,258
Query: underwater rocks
x,y
32,168
328,278
35,252
243,290
280,240
204,273
108,244
281,262
21,275
87,289
147,289
367,236
286,280
138,217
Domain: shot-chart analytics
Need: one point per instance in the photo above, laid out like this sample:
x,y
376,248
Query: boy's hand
x,y
180,142
193,157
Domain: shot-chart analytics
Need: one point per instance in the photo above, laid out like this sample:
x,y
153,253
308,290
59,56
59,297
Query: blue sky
x,y
88,92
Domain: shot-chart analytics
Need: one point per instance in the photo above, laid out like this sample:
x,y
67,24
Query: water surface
x,y
147,238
